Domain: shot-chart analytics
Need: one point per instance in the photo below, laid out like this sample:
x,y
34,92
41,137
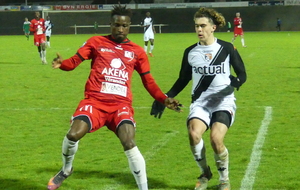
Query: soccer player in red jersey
x,y
238,29
37,26
108,96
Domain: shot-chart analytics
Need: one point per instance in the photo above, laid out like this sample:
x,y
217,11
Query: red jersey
x,y
112,67
37,26
238,30
237,21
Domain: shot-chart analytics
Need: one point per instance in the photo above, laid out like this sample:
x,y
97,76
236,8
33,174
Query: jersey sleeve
x,y
31,27
153,89
238,66
86,50
83,53
143,68
71,63
185,75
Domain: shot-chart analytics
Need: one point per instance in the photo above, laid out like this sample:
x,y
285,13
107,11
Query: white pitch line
x,y
249,177
147,156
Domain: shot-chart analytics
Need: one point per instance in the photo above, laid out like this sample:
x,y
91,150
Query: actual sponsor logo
x,y
210,70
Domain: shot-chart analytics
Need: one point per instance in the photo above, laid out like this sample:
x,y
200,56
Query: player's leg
x,y
84,116
234,37
151,47
221,121
146,46
196,129
243,41
78,129
27,35
126,134
43,52
197,124
146,39
43,44
39,47
48,41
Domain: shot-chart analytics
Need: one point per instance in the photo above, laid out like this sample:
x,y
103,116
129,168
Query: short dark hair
x,y
121,10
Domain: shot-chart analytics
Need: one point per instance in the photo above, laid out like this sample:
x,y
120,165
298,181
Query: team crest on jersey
x,y
129,54
208,56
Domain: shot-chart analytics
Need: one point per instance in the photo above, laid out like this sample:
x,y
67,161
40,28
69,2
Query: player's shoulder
x,y
188,49
225,44
135,46
96,38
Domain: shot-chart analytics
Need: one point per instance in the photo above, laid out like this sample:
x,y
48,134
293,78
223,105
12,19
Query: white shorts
x,y
197,110
148,36
48,33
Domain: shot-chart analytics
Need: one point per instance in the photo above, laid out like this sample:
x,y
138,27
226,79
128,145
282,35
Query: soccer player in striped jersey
x,y
108,96
149,32
49,25
207,63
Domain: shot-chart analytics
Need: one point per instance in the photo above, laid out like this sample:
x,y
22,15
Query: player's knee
x,y
127,145
217,144
195,134
126,133
72,136
78,129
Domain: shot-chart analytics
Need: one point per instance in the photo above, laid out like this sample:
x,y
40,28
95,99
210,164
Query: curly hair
x,y
121,10
213,16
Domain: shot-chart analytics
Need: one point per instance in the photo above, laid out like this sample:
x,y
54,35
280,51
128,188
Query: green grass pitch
x,y
37,102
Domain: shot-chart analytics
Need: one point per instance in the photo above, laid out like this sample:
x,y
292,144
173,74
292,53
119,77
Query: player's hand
x,y
56,63
235,82
173,104
157,109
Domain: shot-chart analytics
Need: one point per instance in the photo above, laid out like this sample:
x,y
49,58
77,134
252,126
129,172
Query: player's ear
x,y
214,27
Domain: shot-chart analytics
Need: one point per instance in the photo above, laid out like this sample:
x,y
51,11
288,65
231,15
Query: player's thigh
x,y
151,36
146,38
196,128
224,112
199,118
88,111
40,39
48,33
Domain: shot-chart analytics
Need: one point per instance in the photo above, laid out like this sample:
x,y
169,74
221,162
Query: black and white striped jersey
x,y
147,23
208,66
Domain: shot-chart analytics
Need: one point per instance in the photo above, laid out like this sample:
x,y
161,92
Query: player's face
x,y
148,14
120,26
237,14
37,14
205,30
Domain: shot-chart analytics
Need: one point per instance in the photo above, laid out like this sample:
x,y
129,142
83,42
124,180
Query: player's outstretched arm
x,y
56,63
158,108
